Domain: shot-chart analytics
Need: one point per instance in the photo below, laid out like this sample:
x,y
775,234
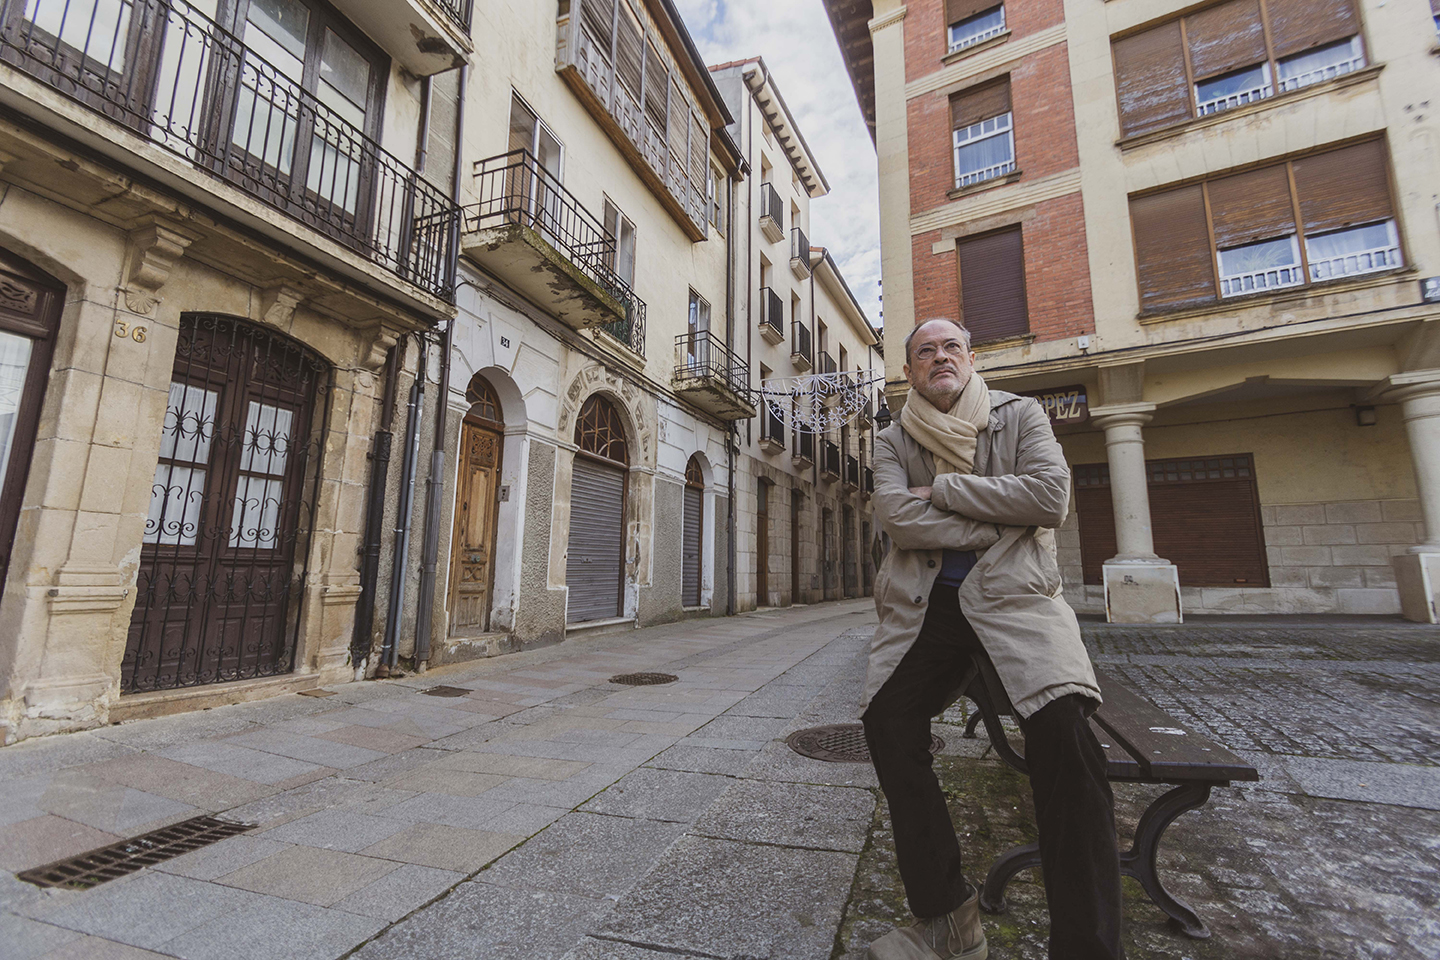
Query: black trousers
x,y
1073,803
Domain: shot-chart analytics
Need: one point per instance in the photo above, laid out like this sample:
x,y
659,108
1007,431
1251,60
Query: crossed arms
x,y
962,511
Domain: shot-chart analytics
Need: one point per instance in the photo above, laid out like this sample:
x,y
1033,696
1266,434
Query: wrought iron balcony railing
x,y
830,465
800,342
702,355
804,446
869,480
772,311
799,252
515,188
826,363
852,471
772,213
458,11
772,425
171,74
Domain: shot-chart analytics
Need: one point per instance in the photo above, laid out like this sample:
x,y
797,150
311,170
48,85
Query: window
x,y
715,191
1229,55
619,229
977,28
1345,227
992,285
697,352
984,140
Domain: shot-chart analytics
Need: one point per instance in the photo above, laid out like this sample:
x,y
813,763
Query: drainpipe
x,y
360,639
435,482
730,431
391,651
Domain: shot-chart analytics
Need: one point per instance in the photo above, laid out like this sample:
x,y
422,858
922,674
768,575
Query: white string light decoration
x,y
819,402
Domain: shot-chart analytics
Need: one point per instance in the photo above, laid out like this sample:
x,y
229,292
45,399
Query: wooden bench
x,y
1143,744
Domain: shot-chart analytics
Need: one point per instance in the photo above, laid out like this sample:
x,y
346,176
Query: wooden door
x,y
472,548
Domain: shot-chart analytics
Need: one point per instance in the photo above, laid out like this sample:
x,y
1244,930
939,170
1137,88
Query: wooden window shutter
x,y
1251,206
1343,187
957,10
1172,249
657,81
1225,38
1297,25
1150,80
598,17
992,285
980,103
629,50
679,125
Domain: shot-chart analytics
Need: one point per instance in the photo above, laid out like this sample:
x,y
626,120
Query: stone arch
x,y
628,400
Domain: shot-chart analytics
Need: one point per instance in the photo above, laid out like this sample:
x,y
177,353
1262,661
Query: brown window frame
x,y
1271,61
1299,235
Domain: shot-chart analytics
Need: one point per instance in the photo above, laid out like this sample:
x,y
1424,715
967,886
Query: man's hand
x,y
922,492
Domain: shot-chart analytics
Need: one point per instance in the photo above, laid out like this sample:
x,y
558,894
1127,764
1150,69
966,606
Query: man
x,y
969,484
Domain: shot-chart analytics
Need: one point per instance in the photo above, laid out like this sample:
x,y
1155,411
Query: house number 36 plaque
x,y
136,333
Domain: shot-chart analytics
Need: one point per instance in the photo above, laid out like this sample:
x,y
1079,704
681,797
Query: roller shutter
x,y
992,285
1343,187
1251,206
1205,513
1225,38
957,10
594,565
690,550
1150,80
980,103
1172,249
1298,25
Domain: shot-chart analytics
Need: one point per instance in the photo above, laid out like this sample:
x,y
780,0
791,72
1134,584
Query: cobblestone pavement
x,y
550,814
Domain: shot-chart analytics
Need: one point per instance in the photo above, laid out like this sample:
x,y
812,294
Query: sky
x,y
795,38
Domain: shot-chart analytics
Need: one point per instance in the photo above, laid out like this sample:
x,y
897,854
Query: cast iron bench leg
x,y
973,722
1139,860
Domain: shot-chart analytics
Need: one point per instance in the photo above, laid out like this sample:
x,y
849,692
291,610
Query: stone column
x,y
1417,571
1139,586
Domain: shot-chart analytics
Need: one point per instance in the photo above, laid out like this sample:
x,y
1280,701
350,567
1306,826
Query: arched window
x,y
693,537
484,405
599,430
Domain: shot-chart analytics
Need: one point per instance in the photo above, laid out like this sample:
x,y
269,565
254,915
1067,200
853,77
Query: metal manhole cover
x,y
446,692
108,863
644,679
839,743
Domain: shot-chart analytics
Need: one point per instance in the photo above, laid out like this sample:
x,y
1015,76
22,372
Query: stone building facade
x,y
1204,236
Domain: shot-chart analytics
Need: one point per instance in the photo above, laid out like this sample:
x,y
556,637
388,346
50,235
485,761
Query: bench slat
x,y
1146,732
1119,765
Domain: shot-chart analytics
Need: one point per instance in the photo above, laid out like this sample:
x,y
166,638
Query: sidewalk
x,y
551,814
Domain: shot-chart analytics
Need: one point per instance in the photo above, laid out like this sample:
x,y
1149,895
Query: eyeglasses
x,y
953,348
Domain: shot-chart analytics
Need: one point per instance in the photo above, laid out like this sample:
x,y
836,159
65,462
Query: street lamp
x,y
882,416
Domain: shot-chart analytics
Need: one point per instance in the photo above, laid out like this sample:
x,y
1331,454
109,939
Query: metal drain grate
x,y
644,679
839,743
447,692
108,863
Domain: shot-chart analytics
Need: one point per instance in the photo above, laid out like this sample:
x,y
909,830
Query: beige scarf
x,y
950,437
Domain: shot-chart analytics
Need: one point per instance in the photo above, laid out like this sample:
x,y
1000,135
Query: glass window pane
x,y
97,28
256,518
1233,89
267,439
345,72
189,423
980,27
14,366
175,502
1365,249
1321,63
285,22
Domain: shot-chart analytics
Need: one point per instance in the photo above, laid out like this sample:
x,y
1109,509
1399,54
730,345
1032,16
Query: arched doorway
x,y
595,556
225,552
472,545
30,303
694,534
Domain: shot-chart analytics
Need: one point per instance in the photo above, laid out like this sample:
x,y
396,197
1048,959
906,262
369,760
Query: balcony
x,y
772,213
800,354
830,461
664,140
867,410
803,451
198,93
869,488
712,378
772,316
852,473
799,254
772,430
827,362
424,36
533,234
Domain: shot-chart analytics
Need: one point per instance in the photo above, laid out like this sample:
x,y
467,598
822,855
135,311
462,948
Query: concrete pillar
x,y
1139,586
1417,571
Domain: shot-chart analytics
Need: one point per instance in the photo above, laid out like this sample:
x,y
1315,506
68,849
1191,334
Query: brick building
x,y
1205,235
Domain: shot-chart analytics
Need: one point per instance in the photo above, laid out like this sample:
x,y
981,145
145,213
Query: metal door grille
x,y
225,557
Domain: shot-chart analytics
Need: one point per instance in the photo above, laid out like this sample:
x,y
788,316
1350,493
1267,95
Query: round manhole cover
x,y
839,743
644,679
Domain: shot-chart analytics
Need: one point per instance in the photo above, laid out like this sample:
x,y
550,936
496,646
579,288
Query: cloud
x,y
795,38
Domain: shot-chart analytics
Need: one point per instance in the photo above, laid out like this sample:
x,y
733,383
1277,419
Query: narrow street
x,y
546,812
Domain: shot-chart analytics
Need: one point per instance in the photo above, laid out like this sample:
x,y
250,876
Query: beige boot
x,y
955,936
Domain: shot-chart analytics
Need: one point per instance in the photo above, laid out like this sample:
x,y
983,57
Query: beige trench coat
x,y
1006,511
